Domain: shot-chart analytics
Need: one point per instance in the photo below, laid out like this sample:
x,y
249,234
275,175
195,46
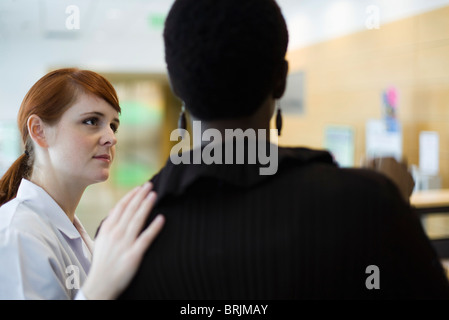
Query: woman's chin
x,y
100,178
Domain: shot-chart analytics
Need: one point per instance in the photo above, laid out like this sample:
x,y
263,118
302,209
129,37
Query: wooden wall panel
x,y
345,78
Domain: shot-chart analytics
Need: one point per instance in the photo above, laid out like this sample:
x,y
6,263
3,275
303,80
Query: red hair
x,y
49,98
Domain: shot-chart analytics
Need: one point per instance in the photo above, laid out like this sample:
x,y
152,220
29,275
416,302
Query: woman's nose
x,y
108,137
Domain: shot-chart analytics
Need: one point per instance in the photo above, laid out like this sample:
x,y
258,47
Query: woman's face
x,y
81,145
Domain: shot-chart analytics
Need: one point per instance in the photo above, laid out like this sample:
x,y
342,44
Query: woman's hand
x,y
120,245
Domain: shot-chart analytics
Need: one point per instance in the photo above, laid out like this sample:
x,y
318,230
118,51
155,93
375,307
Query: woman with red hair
x,y
68,121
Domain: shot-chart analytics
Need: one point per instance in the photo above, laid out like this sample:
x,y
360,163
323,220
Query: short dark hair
x,y
223,56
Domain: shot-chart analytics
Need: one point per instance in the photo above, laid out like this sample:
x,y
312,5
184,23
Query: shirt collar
x,y
174,179
45,206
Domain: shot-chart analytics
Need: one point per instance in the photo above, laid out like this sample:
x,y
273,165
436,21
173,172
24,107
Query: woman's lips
x,y
103,157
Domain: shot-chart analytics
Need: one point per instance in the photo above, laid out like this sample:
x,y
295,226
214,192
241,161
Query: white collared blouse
x,y
43,255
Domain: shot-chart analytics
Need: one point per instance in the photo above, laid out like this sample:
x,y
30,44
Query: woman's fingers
x,y
134,203
120,207
147,236
131,212
120,244
137,221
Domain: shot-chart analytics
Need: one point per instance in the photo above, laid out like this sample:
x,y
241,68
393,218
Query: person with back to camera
x,y
68,121
311,230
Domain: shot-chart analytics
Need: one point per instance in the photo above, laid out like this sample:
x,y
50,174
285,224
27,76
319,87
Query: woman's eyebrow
x,y
100,115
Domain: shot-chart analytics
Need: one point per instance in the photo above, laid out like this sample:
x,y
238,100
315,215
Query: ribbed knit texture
x,y
308,232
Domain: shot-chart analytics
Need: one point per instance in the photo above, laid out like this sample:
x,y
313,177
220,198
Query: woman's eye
x,y
91,121
114,128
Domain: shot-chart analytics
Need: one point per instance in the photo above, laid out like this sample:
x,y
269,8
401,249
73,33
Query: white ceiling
x,y
121,35
108,20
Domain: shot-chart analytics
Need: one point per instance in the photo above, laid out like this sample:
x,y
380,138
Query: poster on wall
x,y
384,136
339,141
292,102
390,109
429,150
381,141
9,145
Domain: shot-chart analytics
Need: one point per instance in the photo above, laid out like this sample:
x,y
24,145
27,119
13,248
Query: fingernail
x,y
151,195
159,218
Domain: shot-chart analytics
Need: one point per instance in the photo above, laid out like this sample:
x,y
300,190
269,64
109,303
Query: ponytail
x,y
9,184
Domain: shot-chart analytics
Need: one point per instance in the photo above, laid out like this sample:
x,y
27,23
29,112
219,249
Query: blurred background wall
x,y
351,62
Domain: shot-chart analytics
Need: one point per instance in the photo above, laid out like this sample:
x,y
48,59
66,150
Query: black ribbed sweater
x,y
308,232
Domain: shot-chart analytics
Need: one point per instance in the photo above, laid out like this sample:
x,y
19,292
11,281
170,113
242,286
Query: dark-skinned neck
x,y
258,120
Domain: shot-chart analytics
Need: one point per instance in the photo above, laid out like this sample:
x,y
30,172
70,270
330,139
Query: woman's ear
x,y
36,130
281,82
